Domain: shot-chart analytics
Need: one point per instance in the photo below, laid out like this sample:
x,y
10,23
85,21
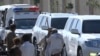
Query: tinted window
x,y
58,23
91,26
25,23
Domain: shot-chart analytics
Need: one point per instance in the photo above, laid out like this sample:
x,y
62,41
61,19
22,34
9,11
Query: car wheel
x,y
34,40
36,46
65,52
79,52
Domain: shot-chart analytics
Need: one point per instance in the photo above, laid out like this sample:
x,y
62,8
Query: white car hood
x,y
90,36
23,31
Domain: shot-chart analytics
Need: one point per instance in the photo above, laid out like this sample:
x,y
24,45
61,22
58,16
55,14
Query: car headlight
x,y
93,43
19,34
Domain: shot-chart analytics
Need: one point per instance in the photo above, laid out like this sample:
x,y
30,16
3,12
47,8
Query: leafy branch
x,y
69,6
93,3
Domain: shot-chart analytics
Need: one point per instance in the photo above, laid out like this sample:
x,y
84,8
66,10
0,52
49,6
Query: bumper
x,y
91,51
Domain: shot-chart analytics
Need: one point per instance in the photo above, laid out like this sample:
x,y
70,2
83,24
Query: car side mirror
x,y
75,31
44,27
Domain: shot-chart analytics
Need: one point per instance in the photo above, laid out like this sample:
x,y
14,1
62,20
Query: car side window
x,y
42,23
74,24
79,25
38,22
71,24
47,22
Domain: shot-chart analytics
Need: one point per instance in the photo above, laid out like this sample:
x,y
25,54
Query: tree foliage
x,y
93,3
69,6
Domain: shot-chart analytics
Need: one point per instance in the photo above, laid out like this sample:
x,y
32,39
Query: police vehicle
x,y
23,15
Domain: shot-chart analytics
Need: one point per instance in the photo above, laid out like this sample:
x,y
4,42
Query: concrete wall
x,y
60,6
45,5
84,9
16,1
27,1
6,2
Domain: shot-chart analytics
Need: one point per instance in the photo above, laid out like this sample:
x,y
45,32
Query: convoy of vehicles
x,y
80,32
48,20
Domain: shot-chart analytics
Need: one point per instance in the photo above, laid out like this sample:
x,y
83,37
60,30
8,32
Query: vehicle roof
x,y
86,17
57,15
3,7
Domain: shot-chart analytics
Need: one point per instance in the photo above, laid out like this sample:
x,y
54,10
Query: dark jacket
x,y
15,51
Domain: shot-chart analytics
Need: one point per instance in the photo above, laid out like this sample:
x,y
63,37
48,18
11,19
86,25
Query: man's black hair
x,y
54,30
12,26
26,37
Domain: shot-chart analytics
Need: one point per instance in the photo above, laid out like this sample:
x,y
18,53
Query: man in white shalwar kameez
x,y
55,44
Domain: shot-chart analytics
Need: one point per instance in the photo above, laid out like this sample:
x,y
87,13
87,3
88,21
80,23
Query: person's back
x,y
27,48
10,36
56,43
15,50
9,42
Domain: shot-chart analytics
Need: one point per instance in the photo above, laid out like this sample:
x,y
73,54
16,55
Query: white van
x,y
23,15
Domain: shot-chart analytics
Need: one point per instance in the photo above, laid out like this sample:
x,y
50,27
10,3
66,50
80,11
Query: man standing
x,y
27,48
43,43
56,43
10,36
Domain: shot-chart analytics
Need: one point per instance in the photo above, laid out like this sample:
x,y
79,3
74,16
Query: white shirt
x,y
27,49
56,43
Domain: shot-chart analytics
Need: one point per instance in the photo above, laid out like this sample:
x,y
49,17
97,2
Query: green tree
x,y
93,3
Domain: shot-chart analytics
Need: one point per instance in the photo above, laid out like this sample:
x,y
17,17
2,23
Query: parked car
x,y
23,15
82,35
48,20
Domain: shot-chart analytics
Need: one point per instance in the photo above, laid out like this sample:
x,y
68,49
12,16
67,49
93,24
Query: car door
x,y
73,42
36,29
43,28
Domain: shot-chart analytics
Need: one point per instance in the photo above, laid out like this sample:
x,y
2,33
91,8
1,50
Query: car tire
x,y
65,52
79,52
36,46
34,41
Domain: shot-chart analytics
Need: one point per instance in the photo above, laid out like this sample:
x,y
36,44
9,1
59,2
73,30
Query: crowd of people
x,y
52,44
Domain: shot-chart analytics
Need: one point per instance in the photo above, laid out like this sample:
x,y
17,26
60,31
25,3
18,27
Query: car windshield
x,y
25,23
91,26
58,23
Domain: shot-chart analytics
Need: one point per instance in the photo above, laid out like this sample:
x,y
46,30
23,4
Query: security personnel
x,y
10,36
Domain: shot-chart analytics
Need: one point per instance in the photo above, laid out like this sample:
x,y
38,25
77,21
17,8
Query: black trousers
x,y
58,54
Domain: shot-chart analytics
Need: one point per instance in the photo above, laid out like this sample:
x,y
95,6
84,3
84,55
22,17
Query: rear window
x,y
58,23
25,23
91,26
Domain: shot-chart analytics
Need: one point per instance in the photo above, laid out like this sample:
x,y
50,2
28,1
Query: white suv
x,y
82,35
48,20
